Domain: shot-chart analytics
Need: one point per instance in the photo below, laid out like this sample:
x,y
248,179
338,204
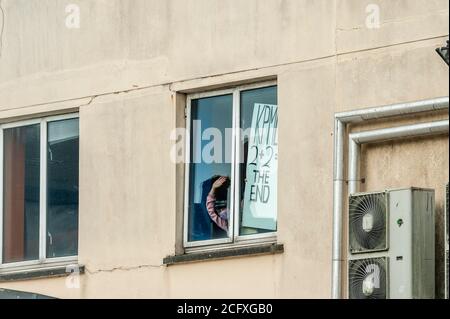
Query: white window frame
x,y
43,261
234,239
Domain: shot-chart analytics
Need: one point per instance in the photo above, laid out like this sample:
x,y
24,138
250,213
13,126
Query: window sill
x,y
37,273
219,254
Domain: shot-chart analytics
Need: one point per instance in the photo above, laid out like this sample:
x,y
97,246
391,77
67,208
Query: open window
x,y
231,166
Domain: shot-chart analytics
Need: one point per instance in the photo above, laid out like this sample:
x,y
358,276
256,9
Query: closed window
x,y
39,190
232,163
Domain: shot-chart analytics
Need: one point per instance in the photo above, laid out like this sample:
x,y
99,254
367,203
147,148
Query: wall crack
x,y
110,270
90,101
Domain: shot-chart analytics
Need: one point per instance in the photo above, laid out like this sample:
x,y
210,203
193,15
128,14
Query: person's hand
x,y
219,182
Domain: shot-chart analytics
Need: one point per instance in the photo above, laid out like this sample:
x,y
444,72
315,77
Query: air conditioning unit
x,y
391,245
446,245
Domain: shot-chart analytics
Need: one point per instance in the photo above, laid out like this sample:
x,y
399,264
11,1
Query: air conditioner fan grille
x,y
368,278
367,222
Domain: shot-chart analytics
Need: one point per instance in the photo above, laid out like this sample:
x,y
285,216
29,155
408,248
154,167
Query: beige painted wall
x,y
122,70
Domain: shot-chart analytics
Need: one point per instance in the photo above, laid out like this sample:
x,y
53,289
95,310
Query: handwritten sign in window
x,y
260,197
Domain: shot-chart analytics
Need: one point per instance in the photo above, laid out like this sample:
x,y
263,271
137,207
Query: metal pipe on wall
x,y
422,129
376,136
338,190
409,108
353,166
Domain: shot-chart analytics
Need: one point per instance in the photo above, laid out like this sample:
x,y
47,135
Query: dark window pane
x,y
62,188
21,189
209,208
258,172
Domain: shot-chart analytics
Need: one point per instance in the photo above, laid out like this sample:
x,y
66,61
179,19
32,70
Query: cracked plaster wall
x,y
121,70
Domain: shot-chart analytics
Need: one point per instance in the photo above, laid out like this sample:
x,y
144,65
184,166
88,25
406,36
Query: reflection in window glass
x,y
62,188
210,168
21,188
258,172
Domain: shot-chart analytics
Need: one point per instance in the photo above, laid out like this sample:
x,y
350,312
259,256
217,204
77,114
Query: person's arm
x,y
210,206
211,201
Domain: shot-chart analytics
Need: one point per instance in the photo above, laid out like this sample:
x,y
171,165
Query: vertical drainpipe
x,y
353,166
338,185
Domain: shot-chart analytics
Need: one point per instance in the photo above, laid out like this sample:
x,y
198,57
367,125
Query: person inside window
x,y
216,202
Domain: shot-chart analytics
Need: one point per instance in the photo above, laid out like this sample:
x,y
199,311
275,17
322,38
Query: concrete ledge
x,y
59,271
262,249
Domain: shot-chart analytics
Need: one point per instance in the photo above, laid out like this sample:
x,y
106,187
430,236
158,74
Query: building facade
x,y
95,97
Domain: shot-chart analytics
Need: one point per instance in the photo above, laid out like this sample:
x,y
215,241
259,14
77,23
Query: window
x,y
39,191
231,166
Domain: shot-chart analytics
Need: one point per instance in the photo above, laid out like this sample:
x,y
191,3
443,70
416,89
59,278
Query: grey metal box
x,y
410,248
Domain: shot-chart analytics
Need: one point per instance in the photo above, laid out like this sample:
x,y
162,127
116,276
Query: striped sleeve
x,y
210,206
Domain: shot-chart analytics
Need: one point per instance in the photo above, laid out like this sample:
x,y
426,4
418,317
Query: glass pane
x,y
62,188
259,161
210,168
21,188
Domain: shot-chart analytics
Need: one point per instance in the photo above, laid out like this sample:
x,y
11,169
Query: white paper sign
x,y
260,197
